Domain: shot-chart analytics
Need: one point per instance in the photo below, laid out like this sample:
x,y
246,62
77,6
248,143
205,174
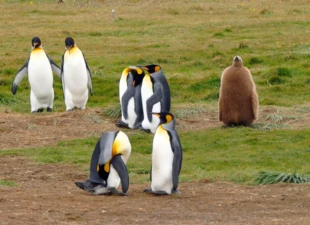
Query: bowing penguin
x,y
108,165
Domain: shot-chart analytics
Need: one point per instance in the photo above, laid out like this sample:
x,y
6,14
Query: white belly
x,y
40,74
113,179
131,120
147,92
75,81
75,75
162,158
40,78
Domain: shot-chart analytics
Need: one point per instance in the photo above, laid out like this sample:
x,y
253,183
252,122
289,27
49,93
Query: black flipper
x,y
89,77
62,74
19,76
122,171
128,94
153,100
177,158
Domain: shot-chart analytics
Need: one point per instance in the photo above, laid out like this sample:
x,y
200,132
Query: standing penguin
x,y
76,76
39,67
166,157
108,165
155,94
238,101
130,98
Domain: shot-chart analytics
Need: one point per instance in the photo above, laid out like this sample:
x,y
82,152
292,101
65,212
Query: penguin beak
x,y
35,44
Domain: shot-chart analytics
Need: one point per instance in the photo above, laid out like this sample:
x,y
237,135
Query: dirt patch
x,y
46,193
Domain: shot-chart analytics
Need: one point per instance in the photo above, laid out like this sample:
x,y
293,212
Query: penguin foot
x,y
40,110
145,130
93,188
160,193
116,192
48,109
74,108
121,124
148,190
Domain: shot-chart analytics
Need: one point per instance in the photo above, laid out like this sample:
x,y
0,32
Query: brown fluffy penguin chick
x,y
238,101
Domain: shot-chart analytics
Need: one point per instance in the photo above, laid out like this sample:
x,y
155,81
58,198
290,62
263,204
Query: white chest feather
x,y
75,71
40,73
162,159
147,92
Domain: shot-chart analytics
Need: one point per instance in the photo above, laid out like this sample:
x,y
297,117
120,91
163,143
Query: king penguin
x,y
39,67
108,165
238,100
130,98
155,92
76,77
166,157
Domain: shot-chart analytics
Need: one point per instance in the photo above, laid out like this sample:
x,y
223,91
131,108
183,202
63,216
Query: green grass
x,y
234,154
270,36
264,177
7,183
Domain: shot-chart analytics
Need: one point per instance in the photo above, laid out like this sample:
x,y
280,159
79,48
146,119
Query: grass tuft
x,y
265,177
275,118
113,111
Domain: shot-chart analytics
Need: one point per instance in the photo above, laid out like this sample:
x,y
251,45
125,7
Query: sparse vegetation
x,y
193,55
264,177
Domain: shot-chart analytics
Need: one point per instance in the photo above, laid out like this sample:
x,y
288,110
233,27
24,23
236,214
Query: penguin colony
x,y
145,100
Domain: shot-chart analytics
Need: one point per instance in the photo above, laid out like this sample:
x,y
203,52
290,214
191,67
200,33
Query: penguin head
x,y
166,119
36,42
137,74
137,77
237,61
69,43
153,68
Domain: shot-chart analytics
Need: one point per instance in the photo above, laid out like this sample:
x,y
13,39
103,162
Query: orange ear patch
x,y
168,118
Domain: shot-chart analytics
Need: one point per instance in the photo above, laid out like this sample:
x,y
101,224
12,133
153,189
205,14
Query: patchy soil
x,y
46,194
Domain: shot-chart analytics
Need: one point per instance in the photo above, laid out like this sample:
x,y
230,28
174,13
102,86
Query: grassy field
x,y
193,41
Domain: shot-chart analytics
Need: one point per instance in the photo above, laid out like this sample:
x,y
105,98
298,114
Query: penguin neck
x,y
169,126
36,48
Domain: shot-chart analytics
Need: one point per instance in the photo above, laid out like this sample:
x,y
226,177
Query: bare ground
x,y
46,194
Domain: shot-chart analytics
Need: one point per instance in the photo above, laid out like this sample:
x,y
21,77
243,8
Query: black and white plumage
x,y
155,93
39,67
166,157
108,165
76,77
130,98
